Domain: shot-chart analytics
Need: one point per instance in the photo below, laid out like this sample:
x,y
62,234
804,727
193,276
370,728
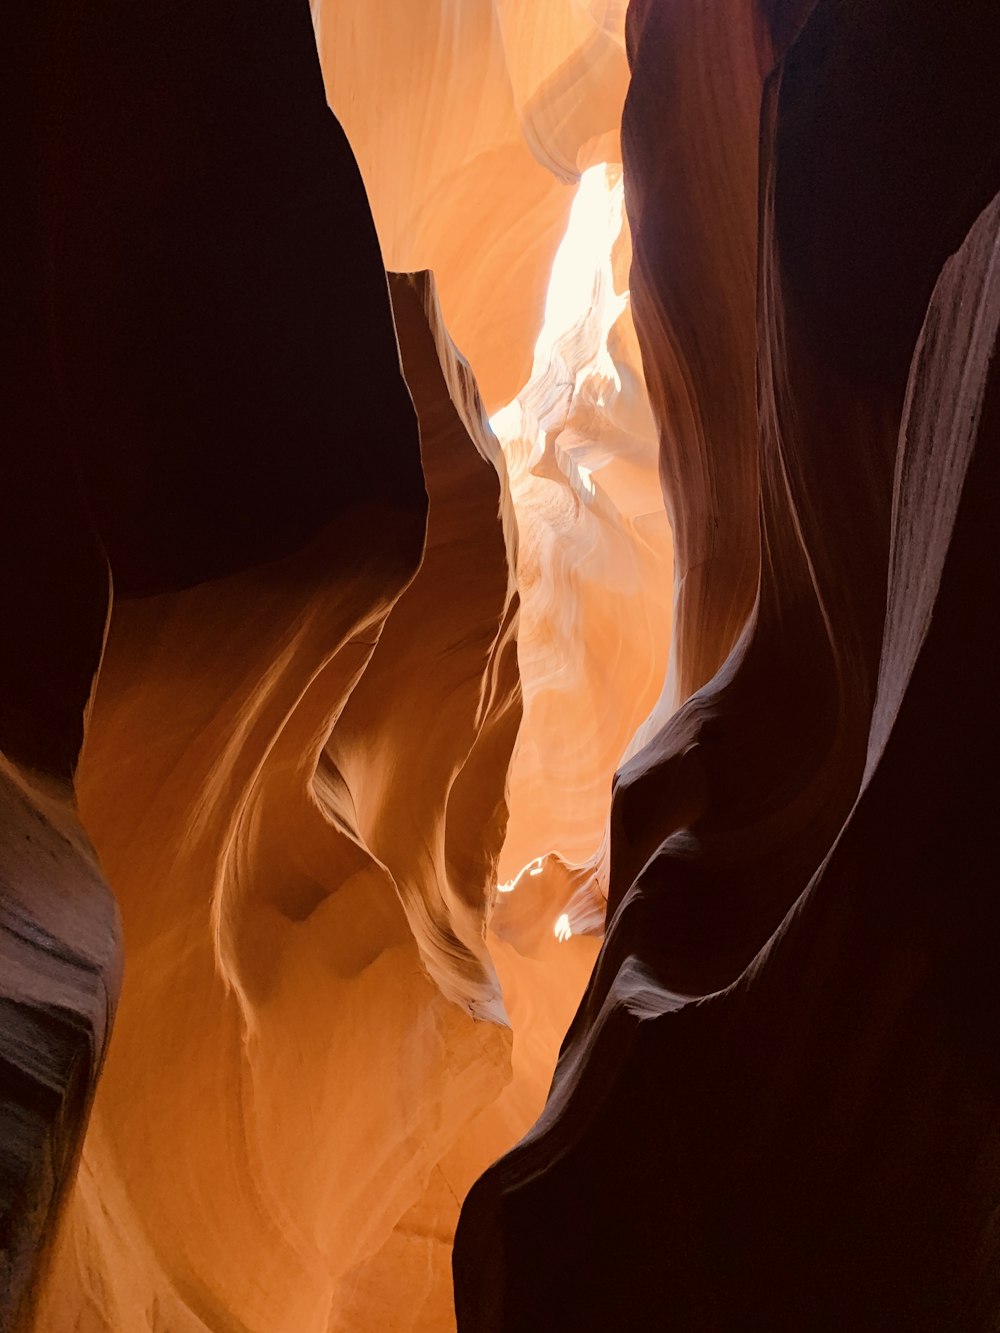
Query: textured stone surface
x,y
470,123
60,949
781,1073
342,689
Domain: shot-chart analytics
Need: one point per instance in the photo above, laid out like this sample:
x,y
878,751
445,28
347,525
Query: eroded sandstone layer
x,y
289,848
776,1107
471,122
343,704
296,758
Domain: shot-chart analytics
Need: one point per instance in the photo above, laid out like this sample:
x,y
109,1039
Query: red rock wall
x,y
265,568
775,1106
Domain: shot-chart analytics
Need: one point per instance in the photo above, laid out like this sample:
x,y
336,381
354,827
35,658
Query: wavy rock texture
x,y
485,113
594,554
271,868
60,940
776,1106
282,802
428,644
366,656
60,950
691,185
295,766
236,413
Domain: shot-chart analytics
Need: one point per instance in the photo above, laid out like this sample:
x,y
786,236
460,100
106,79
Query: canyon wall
x,y
211,371
295,755
60,938
285,1074
775,1107
359,686
470,124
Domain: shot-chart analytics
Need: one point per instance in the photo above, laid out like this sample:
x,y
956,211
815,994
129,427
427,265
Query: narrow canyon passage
x,y
498,731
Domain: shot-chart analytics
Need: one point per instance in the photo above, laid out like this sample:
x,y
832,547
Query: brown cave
x,y
499,709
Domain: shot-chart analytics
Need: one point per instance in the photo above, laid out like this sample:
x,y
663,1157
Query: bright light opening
x,y
531,869
581,308
582,280
563,930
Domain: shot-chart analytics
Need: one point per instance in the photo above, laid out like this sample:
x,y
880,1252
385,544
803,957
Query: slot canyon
x,y
500,704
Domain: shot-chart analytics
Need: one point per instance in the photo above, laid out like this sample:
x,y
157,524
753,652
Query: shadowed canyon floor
x,y
499,711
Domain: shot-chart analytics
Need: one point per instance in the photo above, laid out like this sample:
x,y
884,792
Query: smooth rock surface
x,y
774,1108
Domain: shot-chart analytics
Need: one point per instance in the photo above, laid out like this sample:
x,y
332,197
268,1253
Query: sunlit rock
x,y
484,115
483,854
594,549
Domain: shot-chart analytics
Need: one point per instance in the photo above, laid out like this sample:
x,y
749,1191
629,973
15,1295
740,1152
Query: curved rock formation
x,y
343,700
594,554
691,190
236,413
60,942
295,765
60,945
780,1072
469,121
262,782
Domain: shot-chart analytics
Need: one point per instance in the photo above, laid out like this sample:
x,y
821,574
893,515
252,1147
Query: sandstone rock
x,y
774,1108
